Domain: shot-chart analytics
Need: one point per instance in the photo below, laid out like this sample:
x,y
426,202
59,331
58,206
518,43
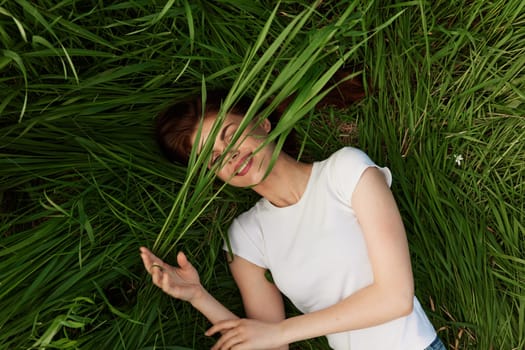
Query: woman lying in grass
x,y
329,232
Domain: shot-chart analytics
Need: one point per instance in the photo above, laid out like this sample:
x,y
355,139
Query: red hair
x,y
176,124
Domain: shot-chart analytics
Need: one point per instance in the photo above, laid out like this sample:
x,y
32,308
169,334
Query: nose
x,y
233,155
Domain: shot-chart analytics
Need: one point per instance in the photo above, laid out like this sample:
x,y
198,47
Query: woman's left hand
x,y
246,334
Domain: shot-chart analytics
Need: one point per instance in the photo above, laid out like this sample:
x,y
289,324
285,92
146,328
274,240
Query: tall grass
x,y
83,184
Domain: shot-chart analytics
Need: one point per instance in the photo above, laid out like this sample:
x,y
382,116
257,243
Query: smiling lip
x,y
241,171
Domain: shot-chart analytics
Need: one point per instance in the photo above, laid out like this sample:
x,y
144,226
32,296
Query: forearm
x,y
211,308
215,312
368,307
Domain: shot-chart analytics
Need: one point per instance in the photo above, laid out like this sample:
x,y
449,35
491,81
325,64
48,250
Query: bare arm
x,y
390,296
261,299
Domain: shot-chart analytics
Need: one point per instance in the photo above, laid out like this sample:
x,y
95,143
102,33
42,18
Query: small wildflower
x,y
458,158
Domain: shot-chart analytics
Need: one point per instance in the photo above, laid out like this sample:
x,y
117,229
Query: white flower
x,y
458,158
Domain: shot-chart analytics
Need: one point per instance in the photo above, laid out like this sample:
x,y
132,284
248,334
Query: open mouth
x,y
244,165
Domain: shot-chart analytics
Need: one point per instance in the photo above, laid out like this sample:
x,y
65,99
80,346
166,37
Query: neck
x,y
286,183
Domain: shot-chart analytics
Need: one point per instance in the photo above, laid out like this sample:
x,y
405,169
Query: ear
x,y
266,125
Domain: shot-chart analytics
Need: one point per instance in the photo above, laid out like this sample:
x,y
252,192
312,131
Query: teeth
x,y
243,164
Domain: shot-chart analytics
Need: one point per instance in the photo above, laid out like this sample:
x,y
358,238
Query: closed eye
x,y
228,137
214,159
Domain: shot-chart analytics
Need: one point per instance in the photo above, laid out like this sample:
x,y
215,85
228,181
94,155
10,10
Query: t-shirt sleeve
x,y
347,167
246,240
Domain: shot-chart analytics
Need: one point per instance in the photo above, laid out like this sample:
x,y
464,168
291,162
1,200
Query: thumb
x,y
182,260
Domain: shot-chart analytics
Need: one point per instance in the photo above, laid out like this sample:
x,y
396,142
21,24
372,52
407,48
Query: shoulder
x,y
345,167
350,155
348,163
245,237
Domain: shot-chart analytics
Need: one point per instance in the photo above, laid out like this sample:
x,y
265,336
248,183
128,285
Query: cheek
x,y
250,140
224,174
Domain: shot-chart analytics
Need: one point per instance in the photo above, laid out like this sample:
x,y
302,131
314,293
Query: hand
x,y
244,334
180,282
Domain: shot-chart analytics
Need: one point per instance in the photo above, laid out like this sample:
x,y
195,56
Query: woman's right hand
x,y
181,282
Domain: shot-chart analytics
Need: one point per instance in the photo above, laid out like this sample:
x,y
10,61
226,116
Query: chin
x,y
243,183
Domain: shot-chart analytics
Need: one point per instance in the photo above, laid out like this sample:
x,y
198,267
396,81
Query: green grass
x,y
83,184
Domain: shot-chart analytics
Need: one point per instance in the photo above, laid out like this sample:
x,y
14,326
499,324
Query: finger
x,y
157,265
146,253
228,340
222,326
151,261
146,256
157,276
144,250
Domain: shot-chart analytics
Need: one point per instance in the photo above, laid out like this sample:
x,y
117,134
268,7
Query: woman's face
x,y
240,167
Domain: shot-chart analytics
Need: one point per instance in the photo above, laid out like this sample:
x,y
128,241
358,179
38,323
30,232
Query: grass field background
x,y
83,184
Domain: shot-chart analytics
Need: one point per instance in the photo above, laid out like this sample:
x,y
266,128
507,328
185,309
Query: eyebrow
x,y
222,134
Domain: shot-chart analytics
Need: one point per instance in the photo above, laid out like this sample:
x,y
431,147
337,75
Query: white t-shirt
x,y
300,243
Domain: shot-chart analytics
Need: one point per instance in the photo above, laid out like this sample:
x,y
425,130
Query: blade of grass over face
x,y
286,84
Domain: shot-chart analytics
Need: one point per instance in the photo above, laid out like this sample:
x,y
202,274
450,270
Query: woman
x,y
329,232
